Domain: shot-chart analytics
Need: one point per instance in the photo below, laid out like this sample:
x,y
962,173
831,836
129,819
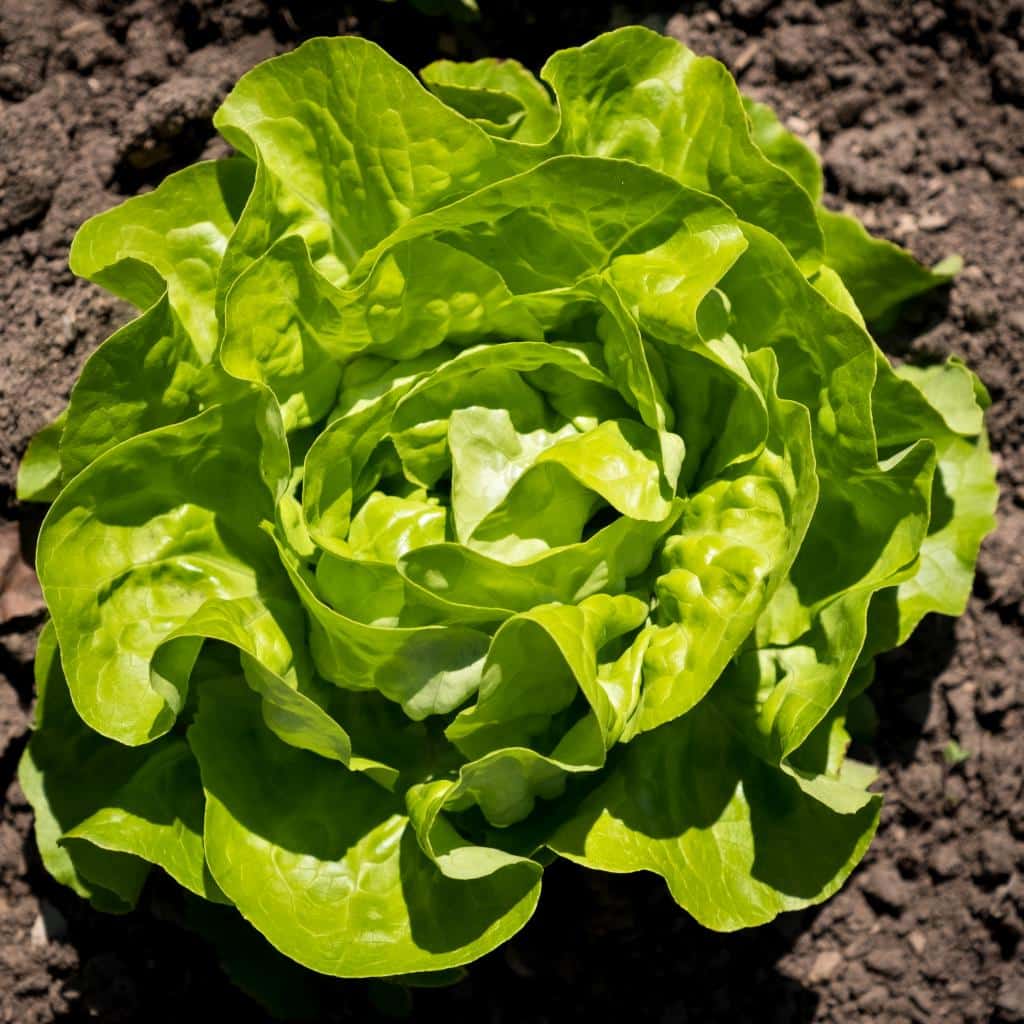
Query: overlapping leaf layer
x,y
493,473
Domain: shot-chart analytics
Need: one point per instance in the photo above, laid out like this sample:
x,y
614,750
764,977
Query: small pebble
x,y
935,221
824,966
886,960
884,884
946,862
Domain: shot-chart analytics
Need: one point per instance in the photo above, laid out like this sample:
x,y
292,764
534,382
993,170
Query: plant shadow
x,y
904,678
902,692
616,947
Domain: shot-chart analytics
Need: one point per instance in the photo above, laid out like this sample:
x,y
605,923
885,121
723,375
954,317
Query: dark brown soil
x,y
918,108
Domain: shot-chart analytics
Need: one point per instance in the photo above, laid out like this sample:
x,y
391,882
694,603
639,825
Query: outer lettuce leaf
x,y
39,471
144,376
140,806
784,149
140,540
946,404
639,96
326,124
879,275
169,239
69,772
833,376
818,617
311,879
155,371
282,328
157,815
691,802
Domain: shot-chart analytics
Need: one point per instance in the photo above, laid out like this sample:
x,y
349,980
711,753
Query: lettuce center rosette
x,y
494,473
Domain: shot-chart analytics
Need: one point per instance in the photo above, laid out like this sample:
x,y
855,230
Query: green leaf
x,y
641,97
39,471
942,404
691,803
568,218
816,663
140,540
169,239
157,815
880,275
268,633
346,894
422,294
498,113
145,376
68,773
502,379
386,527
829,284
502,97
454,856
462,583
350,147
282,328
953,754
537,664
735,543
489,458
429,670
817,617
833,376
783,148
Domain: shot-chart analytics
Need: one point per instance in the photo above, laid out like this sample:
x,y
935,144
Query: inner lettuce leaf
x,y
499,468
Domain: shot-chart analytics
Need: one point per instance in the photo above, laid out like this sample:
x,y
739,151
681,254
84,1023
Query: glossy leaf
x,y
692,804
171,239
310,878
39,471
140,540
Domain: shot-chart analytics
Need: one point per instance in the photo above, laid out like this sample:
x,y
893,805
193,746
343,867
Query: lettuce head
x,y
499,469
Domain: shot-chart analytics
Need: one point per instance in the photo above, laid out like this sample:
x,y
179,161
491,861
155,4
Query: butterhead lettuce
x,y
496,471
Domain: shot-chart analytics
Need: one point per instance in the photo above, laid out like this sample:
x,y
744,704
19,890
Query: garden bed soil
x,y
918,109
